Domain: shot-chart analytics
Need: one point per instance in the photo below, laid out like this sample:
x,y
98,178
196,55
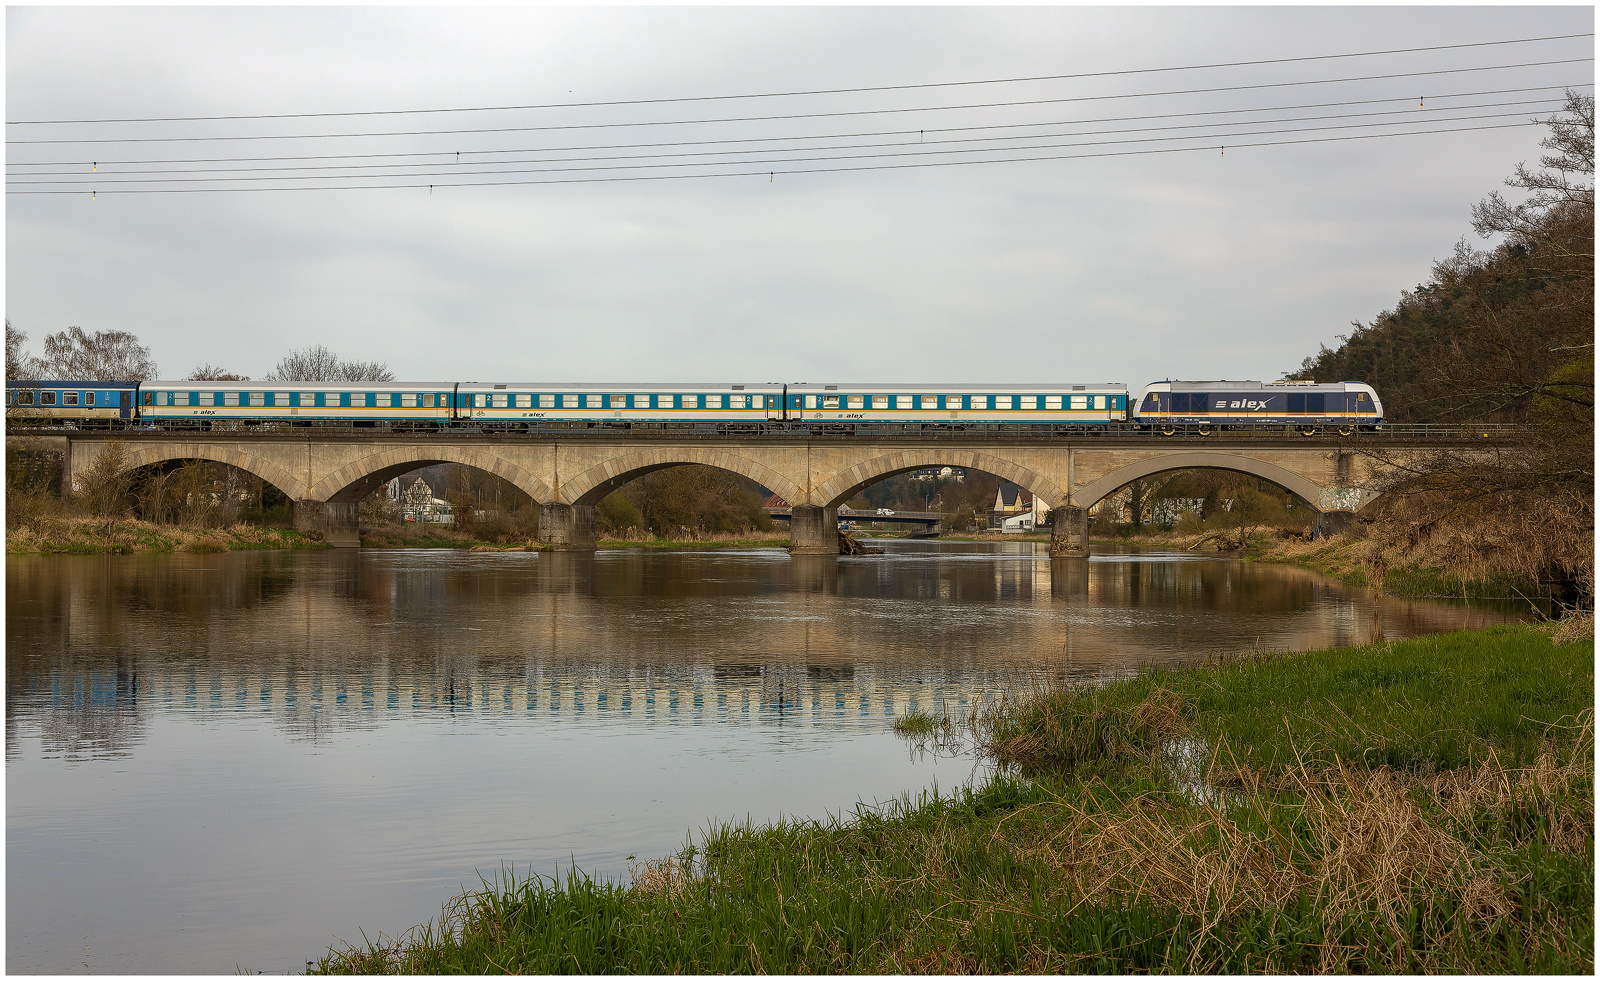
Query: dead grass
x,y
670,878
1362,844
69,534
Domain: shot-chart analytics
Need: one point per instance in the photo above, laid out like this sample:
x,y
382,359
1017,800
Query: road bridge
x,y
327,472
929,520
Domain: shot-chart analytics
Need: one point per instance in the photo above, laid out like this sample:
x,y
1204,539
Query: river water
x,y
225,762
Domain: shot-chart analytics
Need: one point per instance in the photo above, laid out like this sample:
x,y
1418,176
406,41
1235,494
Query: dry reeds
x,y
1362,845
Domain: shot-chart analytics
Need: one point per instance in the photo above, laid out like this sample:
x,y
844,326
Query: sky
x,y
1137,247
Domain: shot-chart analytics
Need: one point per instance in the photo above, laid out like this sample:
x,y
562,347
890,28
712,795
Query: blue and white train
x,y
1168,406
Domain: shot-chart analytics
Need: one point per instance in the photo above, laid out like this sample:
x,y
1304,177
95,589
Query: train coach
x,y
533,405
88,403
1200,406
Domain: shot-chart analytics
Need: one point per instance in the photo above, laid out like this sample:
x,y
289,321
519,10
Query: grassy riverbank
x,y
1417,806
72,535
1357,562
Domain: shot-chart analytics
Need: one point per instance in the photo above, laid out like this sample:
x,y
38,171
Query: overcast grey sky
x,y
1120,266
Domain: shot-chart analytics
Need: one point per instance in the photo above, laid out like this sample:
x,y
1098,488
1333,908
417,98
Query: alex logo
x,y
1247,405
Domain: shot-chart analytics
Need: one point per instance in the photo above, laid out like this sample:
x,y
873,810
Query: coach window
x,y
47,398
1080,401
1052,401
1002,401
855,401
1030,401
408,400
880,401
69,398
88,398
952,401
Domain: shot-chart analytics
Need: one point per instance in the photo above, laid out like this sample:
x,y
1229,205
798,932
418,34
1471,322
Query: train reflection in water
x,y
319,642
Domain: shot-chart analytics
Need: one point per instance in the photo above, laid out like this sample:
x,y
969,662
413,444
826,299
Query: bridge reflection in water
x,y
319,642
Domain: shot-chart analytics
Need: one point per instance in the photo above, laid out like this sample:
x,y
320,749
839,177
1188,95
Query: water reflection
x,y
316,641
223,761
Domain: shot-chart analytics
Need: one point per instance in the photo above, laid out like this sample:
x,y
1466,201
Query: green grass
x,y
1430,703
1424,806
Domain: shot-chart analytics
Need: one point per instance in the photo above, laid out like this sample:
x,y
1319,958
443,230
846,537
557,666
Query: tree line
x,y
115,355
1501,334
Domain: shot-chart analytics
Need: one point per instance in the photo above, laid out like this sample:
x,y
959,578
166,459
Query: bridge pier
x,y
813,530
335,524
567,527
1069,532
1069,579
1332,523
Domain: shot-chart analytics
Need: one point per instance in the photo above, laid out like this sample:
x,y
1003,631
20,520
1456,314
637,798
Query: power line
x,y
794,116
810,92
855,135
774,172
199,176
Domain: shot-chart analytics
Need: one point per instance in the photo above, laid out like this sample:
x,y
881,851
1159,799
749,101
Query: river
x,y
225,762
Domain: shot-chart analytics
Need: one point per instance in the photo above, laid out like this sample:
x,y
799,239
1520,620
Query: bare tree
x,y
105,355
317,363
210,372
105,487
1558,185
18,364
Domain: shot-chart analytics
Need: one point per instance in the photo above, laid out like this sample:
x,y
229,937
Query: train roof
x,y
1177,385
67,383
656,386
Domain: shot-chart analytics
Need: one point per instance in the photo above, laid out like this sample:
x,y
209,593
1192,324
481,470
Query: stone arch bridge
x,y
326,473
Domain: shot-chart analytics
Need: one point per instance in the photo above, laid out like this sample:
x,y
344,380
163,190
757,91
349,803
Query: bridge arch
x,y
137,456
589,487
1302,487
847,483
354,481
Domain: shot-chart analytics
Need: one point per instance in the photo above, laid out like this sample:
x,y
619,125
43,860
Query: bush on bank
x,y
1419,806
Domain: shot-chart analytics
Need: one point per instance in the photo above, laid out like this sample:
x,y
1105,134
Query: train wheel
x,y
1309,430
1168,430
1204,429
1346,430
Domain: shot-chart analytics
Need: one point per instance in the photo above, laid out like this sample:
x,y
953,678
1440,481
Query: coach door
x,y
775,407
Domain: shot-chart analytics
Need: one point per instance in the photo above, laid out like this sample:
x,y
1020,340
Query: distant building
x,y
419,502
1015,510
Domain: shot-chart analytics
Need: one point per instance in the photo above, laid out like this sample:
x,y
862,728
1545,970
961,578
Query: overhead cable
x,y
773,172
794,116
936,130
808,92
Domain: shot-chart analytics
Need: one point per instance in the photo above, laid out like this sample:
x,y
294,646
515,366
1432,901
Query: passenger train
x,y
1167,406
